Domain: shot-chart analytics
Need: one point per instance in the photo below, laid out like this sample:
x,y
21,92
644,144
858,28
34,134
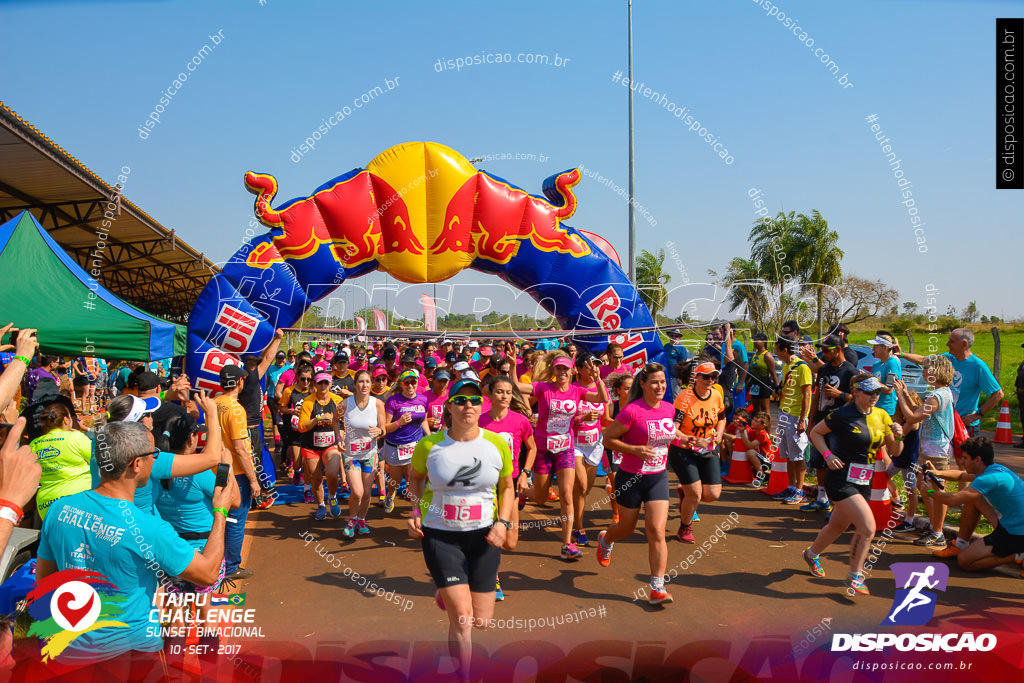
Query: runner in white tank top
x,y
363,426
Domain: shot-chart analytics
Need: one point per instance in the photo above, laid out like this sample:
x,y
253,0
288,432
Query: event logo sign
x,y
914,603
70,603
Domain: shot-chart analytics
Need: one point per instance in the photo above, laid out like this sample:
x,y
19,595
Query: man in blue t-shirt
x,y
993,491
103,531
971,379
887,369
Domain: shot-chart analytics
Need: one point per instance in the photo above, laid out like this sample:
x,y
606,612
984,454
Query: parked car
x,y
913,374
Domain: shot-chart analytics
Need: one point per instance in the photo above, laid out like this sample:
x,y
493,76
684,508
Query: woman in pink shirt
x,y
642,432
589,449
509,419
557,408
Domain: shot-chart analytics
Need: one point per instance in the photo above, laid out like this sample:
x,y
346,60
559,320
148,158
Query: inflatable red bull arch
x,y
421,212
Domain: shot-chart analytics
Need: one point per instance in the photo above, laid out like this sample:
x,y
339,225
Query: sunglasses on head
x,y
462,399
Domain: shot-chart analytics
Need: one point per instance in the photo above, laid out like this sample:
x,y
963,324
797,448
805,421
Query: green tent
x,y
44,288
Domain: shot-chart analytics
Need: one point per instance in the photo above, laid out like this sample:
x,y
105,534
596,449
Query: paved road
x,y
752,583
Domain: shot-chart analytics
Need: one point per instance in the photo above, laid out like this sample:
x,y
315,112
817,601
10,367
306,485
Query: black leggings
x,y
691,468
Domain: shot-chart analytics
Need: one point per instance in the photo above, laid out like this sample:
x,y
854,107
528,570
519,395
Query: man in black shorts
x,y
993,491
833,391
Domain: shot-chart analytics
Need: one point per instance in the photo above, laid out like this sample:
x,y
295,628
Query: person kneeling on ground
x,y
993,491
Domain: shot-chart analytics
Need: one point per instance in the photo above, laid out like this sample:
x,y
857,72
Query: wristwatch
x,y
505,522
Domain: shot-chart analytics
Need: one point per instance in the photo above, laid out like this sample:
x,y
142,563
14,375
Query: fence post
x,y
995,356
910,339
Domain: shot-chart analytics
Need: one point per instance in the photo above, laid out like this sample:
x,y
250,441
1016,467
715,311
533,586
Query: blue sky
x,y
89,74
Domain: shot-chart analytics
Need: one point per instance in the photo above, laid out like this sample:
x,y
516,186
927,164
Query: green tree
x,y
909,308
747,289
817,259
651,279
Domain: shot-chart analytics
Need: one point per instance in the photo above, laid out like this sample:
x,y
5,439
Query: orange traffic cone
x,y
778,480
881,500
740,471
1004,430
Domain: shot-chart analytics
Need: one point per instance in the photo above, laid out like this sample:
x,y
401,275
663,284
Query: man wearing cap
x,y
343,382
232,419
677,353
794,406
887,369
833,384
971,378
251,400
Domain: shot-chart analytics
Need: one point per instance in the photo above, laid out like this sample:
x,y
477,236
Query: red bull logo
x,y
413,203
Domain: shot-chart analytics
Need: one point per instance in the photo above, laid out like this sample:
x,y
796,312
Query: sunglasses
x,y
462,399
410,381
304,379
155,454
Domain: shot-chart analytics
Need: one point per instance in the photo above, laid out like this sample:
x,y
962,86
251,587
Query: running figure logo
x,y
914,603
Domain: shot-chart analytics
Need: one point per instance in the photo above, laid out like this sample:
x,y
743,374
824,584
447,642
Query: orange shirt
x,y
700,416
232,419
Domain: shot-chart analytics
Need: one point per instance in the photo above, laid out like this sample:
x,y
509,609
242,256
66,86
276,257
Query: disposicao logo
x,y
69,603
914,605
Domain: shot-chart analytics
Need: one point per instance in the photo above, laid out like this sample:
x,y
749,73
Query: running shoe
x,y
696,517
291,472
936,538
522,500
795,499
659,598
580,537
344,492
440,601
265,502
571,552
685,533
897,504
856,584
604,555
814,563
350,529
784,494
307,497
817,506
951,550
362,529
321,511
553,494
903,526
498,594
389,503
335,509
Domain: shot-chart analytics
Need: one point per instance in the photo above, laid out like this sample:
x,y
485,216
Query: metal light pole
x,y
632,216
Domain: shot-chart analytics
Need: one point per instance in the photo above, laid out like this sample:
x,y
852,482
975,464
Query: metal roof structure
x,y
140,261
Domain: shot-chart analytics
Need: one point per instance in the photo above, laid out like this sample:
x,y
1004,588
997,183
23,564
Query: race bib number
x,y
616,458
460,512
558,425
295,422
437,411
405,450
755,390
657,461
557,443
860,474
359,445
508,439
323,439
588,437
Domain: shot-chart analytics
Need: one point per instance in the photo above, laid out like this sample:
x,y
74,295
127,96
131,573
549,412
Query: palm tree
x,y
651,280
817,258
747,288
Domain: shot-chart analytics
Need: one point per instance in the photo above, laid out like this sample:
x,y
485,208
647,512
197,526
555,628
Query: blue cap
x,y
456,386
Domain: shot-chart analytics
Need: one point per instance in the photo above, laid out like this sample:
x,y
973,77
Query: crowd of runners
x,y
457,437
